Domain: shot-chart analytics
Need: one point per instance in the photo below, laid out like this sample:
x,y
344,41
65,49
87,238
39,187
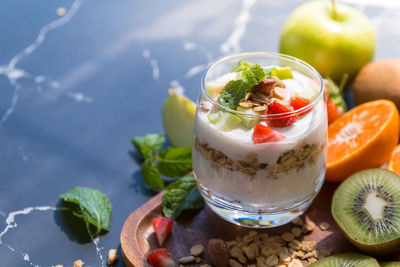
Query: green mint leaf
x,y
91,205
148,144
268,72
241,65
175,161
253,74
180,195
233,93
151,175
335,93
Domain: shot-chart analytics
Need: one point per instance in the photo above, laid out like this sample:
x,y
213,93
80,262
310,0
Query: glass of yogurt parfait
x,y
260,138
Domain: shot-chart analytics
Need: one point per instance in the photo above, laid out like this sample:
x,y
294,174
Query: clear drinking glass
x,y
265,184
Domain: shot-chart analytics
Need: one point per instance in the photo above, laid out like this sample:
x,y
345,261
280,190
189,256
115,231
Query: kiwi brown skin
x,y
390,264
380,249
378,80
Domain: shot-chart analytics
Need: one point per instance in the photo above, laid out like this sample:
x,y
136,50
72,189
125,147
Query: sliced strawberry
x,y
282,120
160,258
263,134
162,228
298,103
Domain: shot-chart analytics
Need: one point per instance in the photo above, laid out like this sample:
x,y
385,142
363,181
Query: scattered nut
x,y
308,227
186,259
234,263
196,250
298,221
78,263
218,252
295,263
197,259
296,231
324,226
112,256
311,260
246,104
205,265
272,260
287,236
260,108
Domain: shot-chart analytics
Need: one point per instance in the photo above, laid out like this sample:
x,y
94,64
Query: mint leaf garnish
x,y
171,162
91,205
181,195
235,91
175,161
151,175
148,144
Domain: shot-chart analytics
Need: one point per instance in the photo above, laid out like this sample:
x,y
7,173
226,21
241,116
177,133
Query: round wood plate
x,y
192,228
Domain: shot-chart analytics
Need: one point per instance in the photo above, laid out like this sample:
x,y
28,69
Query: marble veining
x,y
14,74
153,63
11,224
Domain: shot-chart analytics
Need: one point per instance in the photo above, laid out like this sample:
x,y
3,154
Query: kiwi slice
x,y
366,206
390,264
346,260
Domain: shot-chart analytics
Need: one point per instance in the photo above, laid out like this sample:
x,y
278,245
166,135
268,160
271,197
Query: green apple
x,y
333,38
178,114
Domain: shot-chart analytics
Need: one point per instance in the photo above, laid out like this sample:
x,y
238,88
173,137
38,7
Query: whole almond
x,y
218,252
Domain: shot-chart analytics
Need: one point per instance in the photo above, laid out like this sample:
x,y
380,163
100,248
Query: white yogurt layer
x,y
260,189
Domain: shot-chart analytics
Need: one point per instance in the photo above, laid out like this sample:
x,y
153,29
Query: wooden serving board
x,y
192,228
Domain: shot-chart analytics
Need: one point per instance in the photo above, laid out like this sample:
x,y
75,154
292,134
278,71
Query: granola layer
x,y
293,159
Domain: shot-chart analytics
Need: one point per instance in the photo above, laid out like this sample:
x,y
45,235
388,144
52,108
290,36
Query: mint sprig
x,y
181,195
235,91
91,205
170,162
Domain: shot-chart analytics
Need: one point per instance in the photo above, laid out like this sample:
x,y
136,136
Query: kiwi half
x,y
366,206
346,260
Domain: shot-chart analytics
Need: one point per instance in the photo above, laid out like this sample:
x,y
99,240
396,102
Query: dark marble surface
x,y
75,89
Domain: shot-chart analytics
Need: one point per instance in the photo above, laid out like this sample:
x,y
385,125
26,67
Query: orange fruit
x,y
362,138
394,163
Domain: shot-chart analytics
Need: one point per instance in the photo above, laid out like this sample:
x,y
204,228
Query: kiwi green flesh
x,y
366,206
390,264
346,260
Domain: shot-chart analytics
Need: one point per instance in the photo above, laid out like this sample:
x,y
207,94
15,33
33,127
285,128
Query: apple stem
x,y
334,11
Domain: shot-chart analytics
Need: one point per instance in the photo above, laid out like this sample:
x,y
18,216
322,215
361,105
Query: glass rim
x,y
271,55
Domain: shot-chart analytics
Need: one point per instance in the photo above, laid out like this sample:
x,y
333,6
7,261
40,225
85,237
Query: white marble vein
x,y
10,224
153,63
232,44
96,243
179,89
189,46
14,74
80,97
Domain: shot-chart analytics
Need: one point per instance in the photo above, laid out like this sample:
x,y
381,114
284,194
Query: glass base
x,y
233,213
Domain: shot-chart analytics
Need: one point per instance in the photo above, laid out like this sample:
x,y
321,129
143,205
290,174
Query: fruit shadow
x,y
73,227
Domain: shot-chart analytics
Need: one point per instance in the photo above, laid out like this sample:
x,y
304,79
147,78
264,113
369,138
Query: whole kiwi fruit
x,y
366,206
378,80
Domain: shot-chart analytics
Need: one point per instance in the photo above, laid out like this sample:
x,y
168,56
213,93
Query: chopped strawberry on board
x,y
298,103
162,228
280,121
263,134
160,258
